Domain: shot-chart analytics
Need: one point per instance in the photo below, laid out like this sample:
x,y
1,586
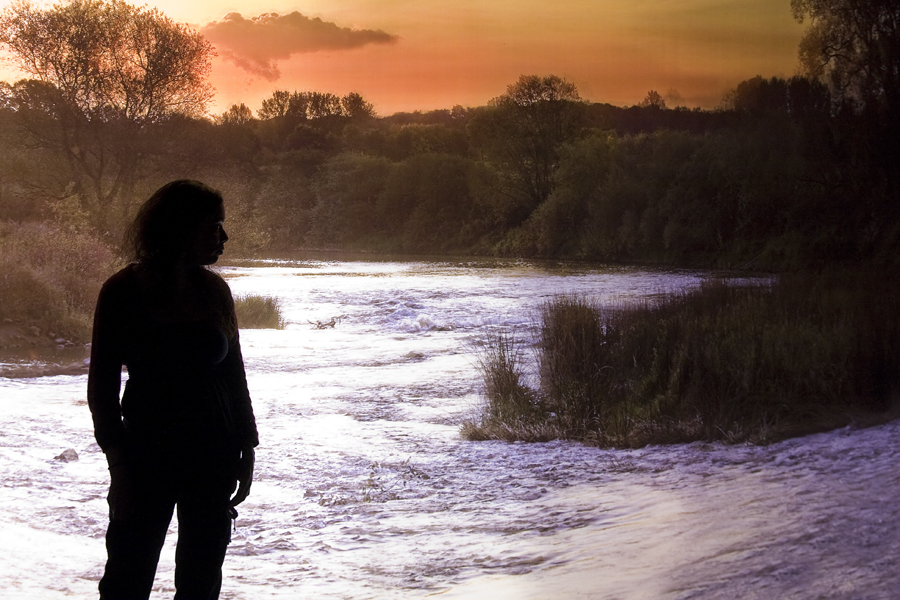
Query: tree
x,y
354,106
102,71
111,59
347,189
300,106
533,91
653,99
238,114
855,46
797,97
525,128
275,106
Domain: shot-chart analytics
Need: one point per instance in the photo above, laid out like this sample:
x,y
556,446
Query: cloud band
x,y
257,44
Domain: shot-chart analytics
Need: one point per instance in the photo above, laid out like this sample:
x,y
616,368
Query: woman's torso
x,y
173,344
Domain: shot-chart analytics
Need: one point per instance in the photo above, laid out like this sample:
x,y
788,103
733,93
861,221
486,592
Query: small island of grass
x,y
723,362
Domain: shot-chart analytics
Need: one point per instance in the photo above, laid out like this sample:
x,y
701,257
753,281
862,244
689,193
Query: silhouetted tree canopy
x,y
797,96
300,106
534,90
355,106
102,71
654,99
783,176
110,59
238,114
524,129
855,46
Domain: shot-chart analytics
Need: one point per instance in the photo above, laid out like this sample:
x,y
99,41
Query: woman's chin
x,y
210,259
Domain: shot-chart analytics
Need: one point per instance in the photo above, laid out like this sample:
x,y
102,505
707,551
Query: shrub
x,y
50,277
501,364
258,312
725,361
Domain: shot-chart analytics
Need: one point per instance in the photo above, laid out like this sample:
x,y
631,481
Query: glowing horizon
x,y
404,56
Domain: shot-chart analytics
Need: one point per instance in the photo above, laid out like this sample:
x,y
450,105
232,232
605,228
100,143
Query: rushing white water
x,y
364,488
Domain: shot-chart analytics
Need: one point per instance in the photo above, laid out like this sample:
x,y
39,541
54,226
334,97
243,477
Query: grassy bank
x,y
49,280
258,312
725,361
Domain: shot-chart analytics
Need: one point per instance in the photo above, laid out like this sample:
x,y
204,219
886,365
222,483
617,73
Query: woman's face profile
x,y
209,240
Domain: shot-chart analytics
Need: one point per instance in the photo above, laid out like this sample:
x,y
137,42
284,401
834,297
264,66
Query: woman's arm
x,y
244,475
244,421
105,373
232,372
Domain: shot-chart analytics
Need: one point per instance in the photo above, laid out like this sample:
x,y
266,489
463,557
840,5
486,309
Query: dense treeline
x,y
776,177
785,173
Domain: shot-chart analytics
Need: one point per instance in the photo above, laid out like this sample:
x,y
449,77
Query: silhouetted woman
x,y
184,432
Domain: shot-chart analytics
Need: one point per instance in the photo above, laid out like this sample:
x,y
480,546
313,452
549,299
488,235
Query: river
x,y
365,490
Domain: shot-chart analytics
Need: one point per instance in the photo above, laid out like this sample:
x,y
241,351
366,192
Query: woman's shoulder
x,y
212,278
118,291
215,282
122,280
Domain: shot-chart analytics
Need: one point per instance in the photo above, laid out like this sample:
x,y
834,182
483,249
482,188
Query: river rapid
x,y
365,490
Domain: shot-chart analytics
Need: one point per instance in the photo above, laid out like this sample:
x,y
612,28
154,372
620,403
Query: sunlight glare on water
x,y
364,488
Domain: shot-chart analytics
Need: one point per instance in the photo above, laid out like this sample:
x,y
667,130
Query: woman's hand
x,y
244,475
123,495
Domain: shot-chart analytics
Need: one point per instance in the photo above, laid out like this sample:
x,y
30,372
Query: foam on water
x,y
364,488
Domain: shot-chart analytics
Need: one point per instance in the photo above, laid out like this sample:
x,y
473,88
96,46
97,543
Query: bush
x,y
258,312
50,278
725,361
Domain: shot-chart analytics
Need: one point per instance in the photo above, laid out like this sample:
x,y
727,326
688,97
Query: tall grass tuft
x,y
571,360
512,411
725,361
258,312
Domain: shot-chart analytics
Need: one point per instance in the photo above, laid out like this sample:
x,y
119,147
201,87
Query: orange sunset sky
x,y
405,55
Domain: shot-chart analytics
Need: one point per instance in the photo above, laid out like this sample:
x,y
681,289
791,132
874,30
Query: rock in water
x,y
68,455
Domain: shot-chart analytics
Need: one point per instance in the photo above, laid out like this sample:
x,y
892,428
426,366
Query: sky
x,y
406,55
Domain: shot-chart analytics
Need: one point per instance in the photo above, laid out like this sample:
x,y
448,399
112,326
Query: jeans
x,y
144,491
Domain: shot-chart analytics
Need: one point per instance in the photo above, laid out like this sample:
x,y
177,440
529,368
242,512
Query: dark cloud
x,y
257,44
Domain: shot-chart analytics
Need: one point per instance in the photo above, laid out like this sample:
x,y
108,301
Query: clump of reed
x,y
725,361
50,277
512,411
258,312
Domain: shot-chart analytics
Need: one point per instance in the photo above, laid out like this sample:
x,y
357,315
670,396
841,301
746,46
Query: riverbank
x,y
40,368
26,351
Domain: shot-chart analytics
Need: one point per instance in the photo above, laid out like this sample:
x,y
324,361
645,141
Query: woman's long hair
x,y
165,227
166,223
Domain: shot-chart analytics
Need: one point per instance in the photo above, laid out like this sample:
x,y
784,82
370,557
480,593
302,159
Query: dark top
x,y
186,379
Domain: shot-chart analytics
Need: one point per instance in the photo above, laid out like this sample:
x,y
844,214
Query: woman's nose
x,y
224,236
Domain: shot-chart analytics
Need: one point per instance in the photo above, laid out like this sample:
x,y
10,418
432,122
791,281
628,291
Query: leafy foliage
x,y
855,46
110,60
525,128
51,276
104,72
300,106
